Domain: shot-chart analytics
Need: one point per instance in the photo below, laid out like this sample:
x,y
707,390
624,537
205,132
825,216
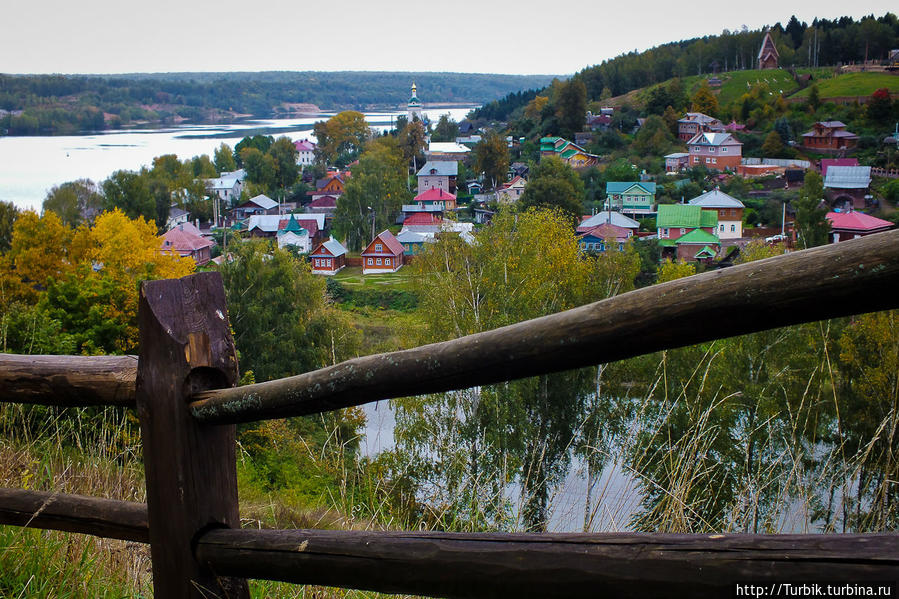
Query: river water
x,y
30,166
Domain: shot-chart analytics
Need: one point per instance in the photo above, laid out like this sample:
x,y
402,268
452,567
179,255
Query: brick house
x,y
829,136
715,151
438,174
694,123
685,231
729,209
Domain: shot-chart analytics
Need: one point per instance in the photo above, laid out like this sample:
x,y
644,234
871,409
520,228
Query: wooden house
x,y
328,258
694,123
604,237
261,204
185,240
608,216
729,209
768,55
384,254
435,197
631,197
829,136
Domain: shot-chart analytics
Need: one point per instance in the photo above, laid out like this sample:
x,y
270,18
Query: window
x,y
733,228
682,231
379,262
370,261
722,228
708,160
601,246
711,150
714,161
387,261
378,248
724,149
620,247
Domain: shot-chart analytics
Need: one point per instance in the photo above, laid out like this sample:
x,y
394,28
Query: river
x,y
30,166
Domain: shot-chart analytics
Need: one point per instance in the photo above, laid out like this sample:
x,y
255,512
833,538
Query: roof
x,y
304,145
224,182
831,124
448,147
422,218
434,195
768,46
334,247
685,216
826,163
697,237
705,252
407,236
271,223
698,117
325,201
623,186
183,238
714,139
607,231
716,199
677,155
442,168
857,221
292,226
262,200
607,216
387,239
848,177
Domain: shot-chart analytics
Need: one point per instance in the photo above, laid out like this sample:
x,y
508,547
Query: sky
x,y
524,37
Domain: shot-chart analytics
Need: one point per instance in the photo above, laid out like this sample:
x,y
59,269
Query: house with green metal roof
x,y
293,234
697,245
631,197
567,151
686,228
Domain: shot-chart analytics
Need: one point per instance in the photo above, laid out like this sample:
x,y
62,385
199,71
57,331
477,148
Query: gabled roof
x,y
441,168
831,124
434,195
607,216
292,226
607,231
848,177
716,199
326,201
768,46
698,117
826,163
406,236
262,200
333,247
617,187
422,218
857,221
271,223
183,239
685,216
714,139
388,240
696,237
304,145
705,252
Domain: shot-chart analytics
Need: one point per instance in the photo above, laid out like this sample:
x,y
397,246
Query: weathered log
x,y
75,513
68,380
551,565
852,277
186,346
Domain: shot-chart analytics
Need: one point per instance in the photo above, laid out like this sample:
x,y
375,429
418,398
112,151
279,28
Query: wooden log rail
x,y
68,381
460,565
826,282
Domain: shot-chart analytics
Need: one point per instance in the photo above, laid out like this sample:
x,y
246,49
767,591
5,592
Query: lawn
x,y
352,277
854,84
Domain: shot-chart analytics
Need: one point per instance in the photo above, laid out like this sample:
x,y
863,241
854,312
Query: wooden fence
x,y
182,386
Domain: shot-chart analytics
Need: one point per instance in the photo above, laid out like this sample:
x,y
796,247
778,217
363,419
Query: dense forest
x,y
819,43
57,104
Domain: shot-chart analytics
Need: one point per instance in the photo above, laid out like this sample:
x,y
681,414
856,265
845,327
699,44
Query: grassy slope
x,y
854,84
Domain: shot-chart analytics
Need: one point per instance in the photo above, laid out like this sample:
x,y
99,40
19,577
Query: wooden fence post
x,y
185,347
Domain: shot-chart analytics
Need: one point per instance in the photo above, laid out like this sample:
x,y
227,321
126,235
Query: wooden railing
x,y
183,388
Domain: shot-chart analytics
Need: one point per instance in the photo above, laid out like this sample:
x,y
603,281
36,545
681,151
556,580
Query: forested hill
x,y
822,42
66,103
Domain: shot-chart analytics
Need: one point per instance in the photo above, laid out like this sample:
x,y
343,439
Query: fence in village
x,y
182,386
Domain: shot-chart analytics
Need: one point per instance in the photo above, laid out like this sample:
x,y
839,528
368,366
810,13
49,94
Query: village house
x,y
328,258
326,205
294,235
715,151
631,197
687,232
228,186
768,55
331,186
268,225
729,209
384,254
851,225
846,187
446,150
438,174
176,217
603,237
434,198
412,242
598,122
694,123
829,136
511,191
185,240
607,216
305,152
676,162
569,152
261,204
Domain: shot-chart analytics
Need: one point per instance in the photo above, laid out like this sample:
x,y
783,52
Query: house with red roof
x,y
826,163
435,196
422,219
602,237
328,258
265,225
384,254
511,191
185,240
851,225
829,136
305,152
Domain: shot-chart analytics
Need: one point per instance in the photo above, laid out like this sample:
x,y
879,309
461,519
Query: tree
x,y
284,155
814,98
654,137
879,107
535,107
260,142
554,184
571,106
374,194
492,158
621,170
412,139
224,159
704,100
670,271
129,192
8,215
261,168
341,137
671,118
812,227
277,309
74,202
446,130
773,147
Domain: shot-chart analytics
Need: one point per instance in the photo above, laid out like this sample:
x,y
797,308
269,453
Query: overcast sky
x,y
527,36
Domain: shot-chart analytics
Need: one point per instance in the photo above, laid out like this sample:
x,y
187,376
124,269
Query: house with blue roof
x,y
631,197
